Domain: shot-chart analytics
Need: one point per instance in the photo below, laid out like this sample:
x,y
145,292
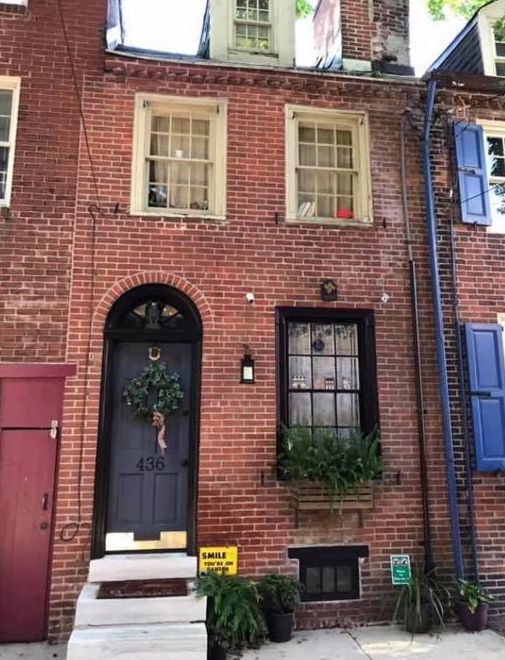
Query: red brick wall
x,y
480,282
36,236
65,263
216,263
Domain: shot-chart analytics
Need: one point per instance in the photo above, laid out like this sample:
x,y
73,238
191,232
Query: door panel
x,y
148,490
30,402
27,463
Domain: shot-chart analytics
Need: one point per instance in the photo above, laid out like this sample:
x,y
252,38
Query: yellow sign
x,y
218,560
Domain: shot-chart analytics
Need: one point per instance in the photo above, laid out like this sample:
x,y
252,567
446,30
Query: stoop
x,y
157,628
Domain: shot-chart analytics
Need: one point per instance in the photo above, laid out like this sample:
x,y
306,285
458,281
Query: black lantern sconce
x,y
247,366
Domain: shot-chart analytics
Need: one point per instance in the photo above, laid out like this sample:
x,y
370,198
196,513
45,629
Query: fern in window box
x,y
325,467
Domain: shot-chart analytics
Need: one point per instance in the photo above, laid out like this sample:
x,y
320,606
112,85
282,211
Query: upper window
x,y
9,96
499,47
495,154
327,370
327,161
253,25
179,164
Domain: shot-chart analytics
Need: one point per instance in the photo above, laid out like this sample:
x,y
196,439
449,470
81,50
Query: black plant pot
x,y
280,626
474,622
418,625
215,651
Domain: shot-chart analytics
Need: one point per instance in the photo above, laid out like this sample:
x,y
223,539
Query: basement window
x,y
329,572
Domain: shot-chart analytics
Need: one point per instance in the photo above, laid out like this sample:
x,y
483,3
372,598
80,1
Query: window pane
x,y
346,338
199,174
179,146
299,338
344,157
159,144
158,188
322,339
160,124
179,173
347,373
300,409
344,138
181,125
4,160
5,114
344,184
325,207
306,134
326,156
306,181
307,155
500,48
324,409
324,373
328,579
497,199
348,409
500,68
326,182
325,135
300,373
201,127
313,580
200,148
496,157
179,197
344,578
199,198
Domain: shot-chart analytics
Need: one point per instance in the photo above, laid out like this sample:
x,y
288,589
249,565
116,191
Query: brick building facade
x,y
73,244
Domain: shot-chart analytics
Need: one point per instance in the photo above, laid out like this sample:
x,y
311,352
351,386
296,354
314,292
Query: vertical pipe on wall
x,y
414,304
450,471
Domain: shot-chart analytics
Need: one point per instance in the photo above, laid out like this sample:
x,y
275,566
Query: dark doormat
x,y
143,589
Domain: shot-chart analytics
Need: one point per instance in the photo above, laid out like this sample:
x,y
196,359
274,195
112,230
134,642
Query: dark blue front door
x,y
148,489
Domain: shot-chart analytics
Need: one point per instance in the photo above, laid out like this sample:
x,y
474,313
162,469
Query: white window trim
x,y
358,123
217,109
22,3
488,49
14,84
272,50
493,128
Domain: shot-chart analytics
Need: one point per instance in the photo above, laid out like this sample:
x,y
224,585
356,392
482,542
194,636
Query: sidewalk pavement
x,y
374,643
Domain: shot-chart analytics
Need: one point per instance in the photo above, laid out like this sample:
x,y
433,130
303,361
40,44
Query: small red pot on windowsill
x,y
344,213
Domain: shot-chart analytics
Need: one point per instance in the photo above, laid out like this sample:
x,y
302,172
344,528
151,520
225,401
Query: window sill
x,y
184,217
7,8
329,222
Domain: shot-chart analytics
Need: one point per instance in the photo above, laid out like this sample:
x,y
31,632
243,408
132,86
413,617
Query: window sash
x,y
254,23
212,200
10,85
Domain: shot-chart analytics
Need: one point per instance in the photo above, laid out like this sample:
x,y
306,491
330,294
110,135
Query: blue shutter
x,y
486,371
472,173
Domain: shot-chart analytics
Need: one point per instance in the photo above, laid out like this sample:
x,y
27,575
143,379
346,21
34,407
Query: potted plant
x,y
279,595
322,465
422,603
472,605
235,619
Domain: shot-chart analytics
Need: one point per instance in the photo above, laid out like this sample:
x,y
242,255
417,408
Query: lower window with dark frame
x,y
329,572
327,375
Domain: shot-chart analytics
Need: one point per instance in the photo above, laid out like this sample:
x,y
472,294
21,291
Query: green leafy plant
x,y
155,390
465,8
234,616
423,602
279,593
340,464
303,8
472,594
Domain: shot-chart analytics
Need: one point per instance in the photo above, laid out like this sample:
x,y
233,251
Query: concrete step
x,y
91,611
153,642
156,566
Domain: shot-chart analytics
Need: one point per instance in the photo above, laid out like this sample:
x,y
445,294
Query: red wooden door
x,y
29,407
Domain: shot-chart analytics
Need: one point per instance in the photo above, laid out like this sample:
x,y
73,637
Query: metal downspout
x,y
439,336
414,308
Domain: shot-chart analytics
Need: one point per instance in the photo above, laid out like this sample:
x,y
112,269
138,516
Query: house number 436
x,y
150,463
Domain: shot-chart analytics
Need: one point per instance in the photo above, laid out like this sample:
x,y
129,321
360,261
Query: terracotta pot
x,y
474,622
280,626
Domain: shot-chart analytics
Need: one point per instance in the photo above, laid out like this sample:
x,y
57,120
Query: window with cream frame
x,y
494,149
9,103
253,25
327,166
179,158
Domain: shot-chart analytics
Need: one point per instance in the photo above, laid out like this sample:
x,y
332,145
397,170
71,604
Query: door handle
x,y
184,462
45,501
